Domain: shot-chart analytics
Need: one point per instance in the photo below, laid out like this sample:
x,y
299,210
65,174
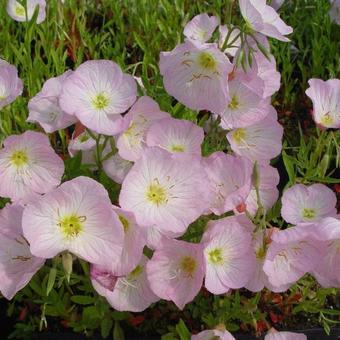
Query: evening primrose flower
x,y
334,12
130,293
176,136
263,19
230,180
197,76
77,217
213,334
131,142
97,93
117,168
44,106
176,270
10,84
200,28
292,253
302,203
28,166
134,242
166,190
18,12
228,255
325,96
17,264
244,108
275,335
261,141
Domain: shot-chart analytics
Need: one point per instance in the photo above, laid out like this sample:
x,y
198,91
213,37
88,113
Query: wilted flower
x,y
117,168
213,334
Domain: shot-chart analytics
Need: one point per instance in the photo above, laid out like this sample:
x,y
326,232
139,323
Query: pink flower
x,y
77,217
264,19
17,264
176,271
44,107
10,84
28,166
134,242
129,293
308,204
117,168
176,136
327,271
97,93
275,335
325,96
268,180
261,141
244,108
291,254
131,143
262,77
169,191
213,334
197,76
259,279
84,143
230,179
228,254
18,12
200,28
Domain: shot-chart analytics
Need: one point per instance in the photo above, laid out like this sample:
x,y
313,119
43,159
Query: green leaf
x,y
105,327
51,280
118,333
183,331
82,300
289,165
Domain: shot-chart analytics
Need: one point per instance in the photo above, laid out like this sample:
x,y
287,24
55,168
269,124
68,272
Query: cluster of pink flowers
x,y
166,184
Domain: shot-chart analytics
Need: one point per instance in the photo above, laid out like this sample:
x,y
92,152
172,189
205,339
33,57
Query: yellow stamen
x,y
308,213
207,61
125,223
72,225
156,194
188,265
177,148
100,101
215,256
19,158
239,135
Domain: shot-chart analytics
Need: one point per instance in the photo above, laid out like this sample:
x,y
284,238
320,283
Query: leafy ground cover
x,y
133,33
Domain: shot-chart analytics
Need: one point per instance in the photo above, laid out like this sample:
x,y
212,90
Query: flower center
x,y
177,148
135,273
188,265
215,256
207,61
233,103
156,194
239,135
308,213
19,158
72,225
20,10
326,120
124,222
100,101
